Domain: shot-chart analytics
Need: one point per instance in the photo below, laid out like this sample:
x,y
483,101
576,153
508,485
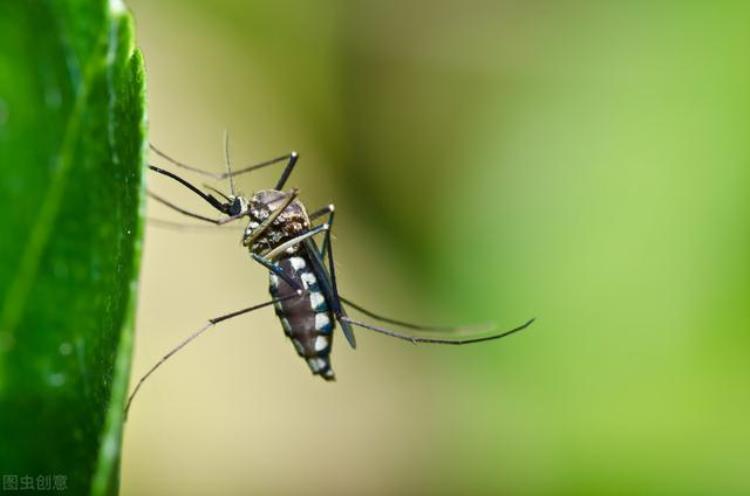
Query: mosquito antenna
x,y
419,339
192,337
227,162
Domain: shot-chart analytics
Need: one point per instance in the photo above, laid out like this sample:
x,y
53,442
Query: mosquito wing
x,y
329,291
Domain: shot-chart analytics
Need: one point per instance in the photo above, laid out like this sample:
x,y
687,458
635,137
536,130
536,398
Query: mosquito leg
x,y
408,325
289,158
322,211
212,322
329,210
327,245
191,214
185,166
295,241
419,339
331,267
293,157
274,267
346,322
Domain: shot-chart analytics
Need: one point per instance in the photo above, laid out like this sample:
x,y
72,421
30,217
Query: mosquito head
x,y
260,236
237,205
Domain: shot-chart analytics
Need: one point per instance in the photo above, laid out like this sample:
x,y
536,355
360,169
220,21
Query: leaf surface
x,y
72,145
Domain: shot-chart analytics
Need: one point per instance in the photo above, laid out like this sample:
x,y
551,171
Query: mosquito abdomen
x,y
307,320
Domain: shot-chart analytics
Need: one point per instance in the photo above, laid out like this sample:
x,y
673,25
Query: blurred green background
x,y
582,162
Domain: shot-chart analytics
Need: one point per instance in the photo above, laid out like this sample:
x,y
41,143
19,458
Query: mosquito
x,y
281,236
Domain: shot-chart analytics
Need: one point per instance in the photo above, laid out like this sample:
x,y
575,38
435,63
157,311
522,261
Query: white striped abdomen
x,y
306,319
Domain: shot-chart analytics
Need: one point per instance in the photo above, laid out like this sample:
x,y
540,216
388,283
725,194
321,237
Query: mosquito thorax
x,y
292,222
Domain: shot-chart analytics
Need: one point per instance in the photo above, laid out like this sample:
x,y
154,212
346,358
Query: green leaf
x,y
72,146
